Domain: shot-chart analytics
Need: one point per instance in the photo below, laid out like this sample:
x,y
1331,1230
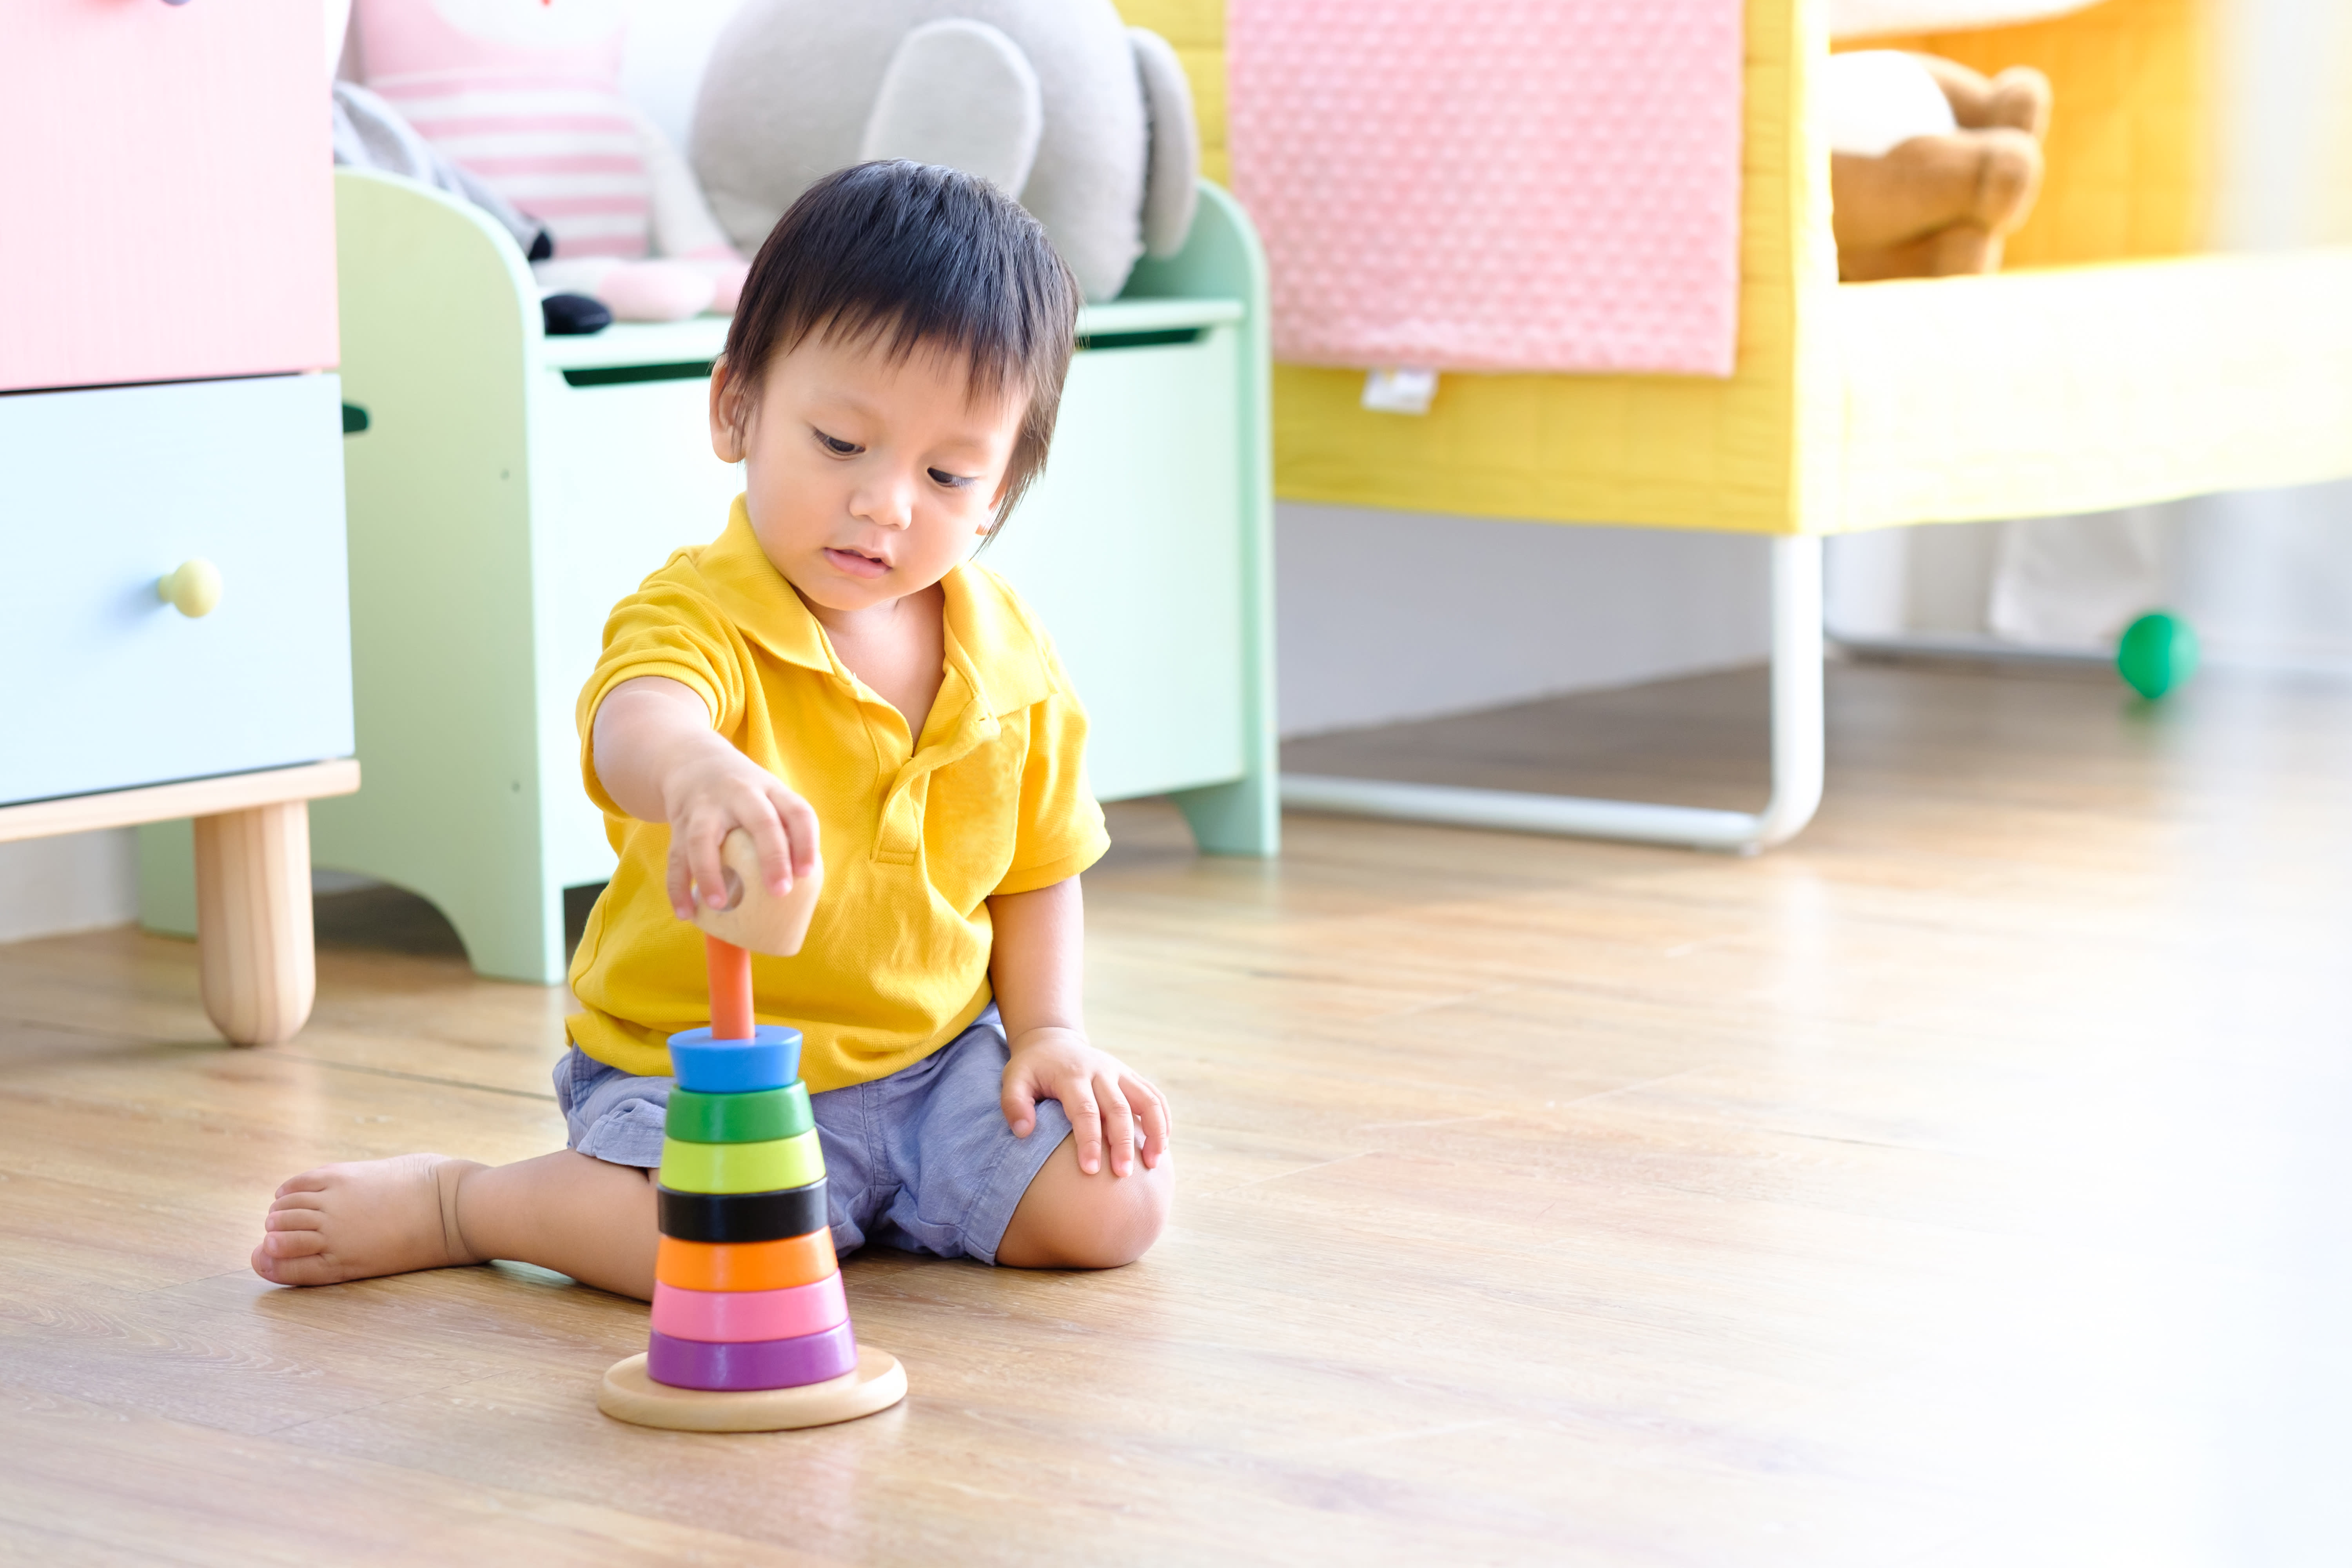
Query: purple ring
x,y
750,1364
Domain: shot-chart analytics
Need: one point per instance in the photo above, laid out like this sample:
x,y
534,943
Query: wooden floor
x,y
1968,1183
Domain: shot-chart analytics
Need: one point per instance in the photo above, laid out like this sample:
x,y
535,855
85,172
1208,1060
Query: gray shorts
x,y
920,1160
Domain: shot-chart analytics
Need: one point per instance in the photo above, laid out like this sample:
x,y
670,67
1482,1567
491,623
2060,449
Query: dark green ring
x,y
760,1116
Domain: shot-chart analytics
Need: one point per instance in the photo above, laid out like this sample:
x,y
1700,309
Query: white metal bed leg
x,y
1797,757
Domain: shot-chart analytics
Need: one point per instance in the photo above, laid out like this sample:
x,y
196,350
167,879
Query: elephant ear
x,y
960,93
1174,165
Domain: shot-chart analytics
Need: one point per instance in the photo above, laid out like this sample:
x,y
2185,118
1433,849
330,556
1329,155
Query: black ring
x,y
743,1216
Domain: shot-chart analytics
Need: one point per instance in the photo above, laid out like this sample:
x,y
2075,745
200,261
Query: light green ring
x,y
741,1167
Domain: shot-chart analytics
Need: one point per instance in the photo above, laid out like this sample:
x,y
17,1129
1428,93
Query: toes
x,y
278,1269
295,1270
294,1219
317,1179
283,1244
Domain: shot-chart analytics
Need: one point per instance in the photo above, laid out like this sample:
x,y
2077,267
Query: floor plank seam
x,y
547,1096
175,1042
1701,1068
371,1405
1280,1175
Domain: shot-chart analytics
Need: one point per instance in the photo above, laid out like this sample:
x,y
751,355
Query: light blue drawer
x,y
102,493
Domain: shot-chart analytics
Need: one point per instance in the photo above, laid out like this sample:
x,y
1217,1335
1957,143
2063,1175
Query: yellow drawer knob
x,y
193,587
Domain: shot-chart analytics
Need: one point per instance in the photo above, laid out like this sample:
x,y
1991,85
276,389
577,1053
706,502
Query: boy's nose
x,y
885,503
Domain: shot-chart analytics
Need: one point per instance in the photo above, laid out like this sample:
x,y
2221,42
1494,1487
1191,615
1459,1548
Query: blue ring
x,y
770,1059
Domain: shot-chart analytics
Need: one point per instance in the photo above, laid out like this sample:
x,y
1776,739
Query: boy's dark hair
x,y
913,256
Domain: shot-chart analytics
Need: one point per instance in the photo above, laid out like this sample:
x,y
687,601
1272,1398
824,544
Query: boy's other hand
x,y
712,794
1108,1102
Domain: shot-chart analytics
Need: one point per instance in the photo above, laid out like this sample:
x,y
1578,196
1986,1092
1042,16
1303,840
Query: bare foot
x,y
359,1220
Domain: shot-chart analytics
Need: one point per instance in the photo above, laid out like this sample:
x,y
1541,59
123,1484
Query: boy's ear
x,y
726,411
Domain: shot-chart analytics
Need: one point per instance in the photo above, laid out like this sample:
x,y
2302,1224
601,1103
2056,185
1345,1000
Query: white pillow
x,y
1880,98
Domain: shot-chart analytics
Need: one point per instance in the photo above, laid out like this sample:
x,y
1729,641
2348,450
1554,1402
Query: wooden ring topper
x,y
754,918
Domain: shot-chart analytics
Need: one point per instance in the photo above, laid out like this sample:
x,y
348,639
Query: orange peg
x,y
730,988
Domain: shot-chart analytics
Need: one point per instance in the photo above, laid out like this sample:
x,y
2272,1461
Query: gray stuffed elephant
x,y
1088,122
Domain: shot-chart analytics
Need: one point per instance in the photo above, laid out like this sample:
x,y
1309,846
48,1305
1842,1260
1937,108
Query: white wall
x,y
2279,68
78,881
1387,615
669,41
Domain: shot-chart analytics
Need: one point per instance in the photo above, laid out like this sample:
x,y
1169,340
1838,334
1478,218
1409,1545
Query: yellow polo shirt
x,y
916,837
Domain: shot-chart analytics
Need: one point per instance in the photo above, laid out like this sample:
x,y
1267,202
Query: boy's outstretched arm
x,y
1037,970
658,758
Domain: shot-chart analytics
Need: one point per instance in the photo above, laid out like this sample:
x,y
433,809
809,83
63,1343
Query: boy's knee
x,y
1088,1222
1133,1213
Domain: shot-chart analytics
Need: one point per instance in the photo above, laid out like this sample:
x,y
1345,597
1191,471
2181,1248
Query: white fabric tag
x,y
1399,389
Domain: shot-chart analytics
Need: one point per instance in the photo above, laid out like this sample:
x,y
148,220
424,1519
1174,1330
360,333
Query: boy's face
x,y
866,480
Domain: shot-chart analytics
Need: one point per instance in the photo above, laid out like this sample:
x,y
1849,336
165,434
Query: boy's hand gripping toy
x,y
750,1329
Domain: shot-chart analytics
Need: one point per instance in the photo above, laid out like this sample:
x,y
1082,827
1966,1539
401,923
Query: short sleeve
x,y
664,628
1060,832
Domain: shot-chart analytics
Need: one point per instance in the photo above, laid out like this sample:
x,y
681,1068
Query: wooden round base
x,y
628,1394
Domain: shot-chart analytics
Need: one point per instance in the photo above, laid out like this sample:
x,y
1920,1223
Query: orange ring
x,y
745,1265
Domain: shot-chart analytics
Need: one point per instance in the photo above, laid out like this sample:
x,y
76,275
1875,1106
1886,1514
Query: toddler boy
x,y
831,675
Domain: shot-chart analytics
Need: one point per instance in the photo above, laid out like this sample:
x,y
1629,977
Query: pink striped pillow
x,y
525,94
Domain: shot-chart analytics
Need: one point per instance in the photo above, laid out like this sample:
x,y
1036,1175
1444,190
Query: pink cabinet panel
x,y
166,200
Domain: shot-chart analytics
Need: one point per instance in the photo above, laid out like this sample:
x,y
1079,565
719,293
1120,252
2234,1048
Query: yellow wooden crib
x,y
2109,366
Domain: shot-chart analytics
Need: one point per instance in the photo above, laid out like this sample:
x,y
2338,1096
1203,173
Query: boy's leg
x,y
924,1160
1068,1219
588,1219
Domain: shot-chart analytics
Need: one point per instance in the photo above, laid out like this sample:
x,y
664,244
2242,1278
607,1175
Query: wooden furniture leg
x,y
253,921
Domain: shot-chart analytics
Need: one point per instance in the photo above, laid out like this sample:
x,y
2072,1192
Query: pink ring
x,y
737,1317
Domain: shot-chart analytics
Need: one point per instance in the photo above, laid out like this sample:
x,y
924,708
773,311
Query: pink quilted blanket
x,y
1494,185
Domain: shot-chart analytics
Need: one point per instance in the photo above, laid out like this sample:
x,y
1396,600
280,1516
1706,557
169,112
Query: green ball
x,y
2159,652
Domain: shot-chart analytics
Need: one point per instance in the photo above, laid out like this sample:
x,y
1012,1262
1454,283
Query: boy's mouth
x,y
856,563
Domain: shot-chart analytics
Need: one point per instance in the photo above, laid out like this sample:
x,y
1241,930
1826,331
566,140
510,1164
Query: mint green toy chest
x,y
508,487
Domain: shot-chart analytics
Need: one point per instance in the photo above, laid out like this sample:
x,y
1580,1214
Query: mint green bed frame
x,y
507,488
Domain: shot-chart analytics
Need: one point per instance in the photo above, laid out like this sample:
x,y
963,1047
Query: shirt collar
x,y
755,596
991,642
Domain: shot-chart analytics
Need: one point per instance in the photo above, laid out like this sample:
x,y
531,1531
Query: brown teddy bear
x,y
1930,164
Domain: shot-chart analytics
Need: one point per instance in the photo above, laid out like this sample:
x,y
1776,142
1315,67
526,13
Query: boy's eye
x,y
836,446
951,481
